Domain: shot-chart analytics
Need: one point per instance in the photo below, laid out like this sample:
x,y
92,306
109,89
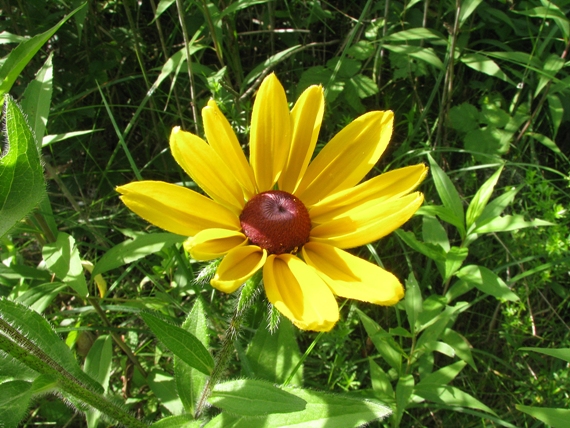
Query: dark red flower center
x,y
276,221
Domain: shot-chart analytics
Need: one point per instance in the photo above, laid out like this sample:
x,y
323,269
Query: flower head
x,y
282,212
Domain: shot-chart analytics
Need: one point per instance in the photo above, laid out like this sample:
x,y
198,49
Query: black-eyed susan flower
x,y
282,212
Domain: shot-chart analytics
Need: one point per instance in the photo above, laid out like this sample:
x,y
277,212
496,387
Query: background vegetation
x,y
473,84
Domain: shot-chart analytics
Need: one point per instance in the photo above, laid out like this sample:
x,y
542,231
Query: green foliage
x,y
480,94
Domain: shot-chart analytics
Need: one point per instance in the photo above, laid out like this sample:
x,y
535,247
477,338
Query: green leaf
x,y
433,251
450,396
381,383
453,261
15,399
404,390
190,382
182,343
384,343
322,410
38,331
36,100
555,418
418,33
180,421
448,194
508,223
135,249
464,117
434,233
62,258
248,397
481,198
444,375
24,52
427,55
413,301
547,142
487,281
497,206
460,345
467,9
485,65
98,366
562,353
163,386
273,355
21,173
39,297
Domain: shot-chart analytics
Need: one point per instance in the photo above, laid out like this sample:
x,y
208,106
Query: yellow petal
x,y
352,277
306,118
223,140
298,292
381,188
368,222
237,267
175,208
270,133
202,163
214,243
348,157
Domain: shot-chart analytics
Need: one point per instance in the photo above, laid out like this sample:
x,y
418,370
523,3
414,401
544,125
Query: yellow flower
x,y
296,234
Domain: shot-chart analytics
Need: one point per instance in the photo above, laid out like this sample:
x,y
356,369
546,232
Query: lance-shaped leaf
x,y
248,397
182,343
487,281
21,173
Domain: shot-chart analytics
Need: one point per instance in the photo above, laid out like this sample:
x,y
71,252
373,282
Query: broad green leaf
x,y
248,397
6,37
555,418
459,288
433,306
163,386
322,410
161,8
273,355
38,331
485,65
181,343
453,260
427,55
381,383
552,66
39,297
413,301
450,396
36,100
562,353
384,343
135,249
190,382
508,223
24,52
550,12
404,390
418,33
467,9
98,366
434,233
460,345
21,173
487,281
556,110
464,117
481,198
62,258
180,421
435,327
448,194
434,252
444,375
442,212
497,206
15,399
362,50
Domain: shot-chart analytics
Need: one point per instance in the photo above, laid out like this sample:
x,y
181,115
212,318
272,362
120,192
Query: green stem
x,y
226,350
25,351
